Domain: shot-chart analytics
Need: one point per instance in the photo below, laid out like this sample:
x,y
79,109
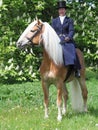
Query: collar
x,y
62,19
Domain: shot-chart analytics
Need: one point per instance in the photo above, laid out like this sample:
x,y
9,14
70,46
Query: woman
x,y
64,27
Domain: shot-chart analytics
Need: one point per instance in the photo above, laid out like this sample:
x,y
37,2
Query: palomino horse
x,y
52,69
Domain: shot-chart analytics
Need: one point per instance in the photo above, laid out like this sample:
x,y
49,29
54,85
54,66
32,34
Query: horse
x,y
52,69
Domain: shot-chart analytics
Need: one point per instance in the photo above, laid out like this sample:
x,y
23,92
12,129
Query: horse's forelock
x,y
26,31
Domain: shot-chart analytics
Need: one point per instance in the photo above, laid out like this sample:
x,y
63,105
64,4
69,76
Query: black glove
x,y
62,42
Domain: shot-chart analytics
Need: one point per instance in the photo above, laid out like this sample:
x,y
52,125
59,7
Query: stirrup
x,y
77,73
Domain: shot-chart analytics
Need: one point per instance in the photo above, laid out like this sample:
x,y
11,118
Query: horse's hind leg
x,y
46,95
65,98
84,92
82,79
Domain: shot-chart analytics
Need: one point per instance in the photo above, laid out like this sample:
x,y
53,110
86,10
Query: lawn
x,y
21,108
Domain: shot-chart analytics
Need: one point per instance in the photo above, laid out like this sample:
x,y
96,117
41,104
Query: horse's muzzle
x,y
19,45
22,44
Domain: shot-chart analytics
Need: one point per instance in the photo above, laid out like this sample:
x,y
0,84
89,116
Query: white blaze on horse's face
x,y
30,35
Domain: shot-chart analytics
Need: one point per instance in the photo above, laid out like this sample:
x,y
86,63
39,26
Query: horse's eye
x,y
32,30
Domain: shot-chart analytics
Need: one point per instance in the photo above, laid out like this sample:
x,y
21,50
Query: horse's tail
x,y
76,96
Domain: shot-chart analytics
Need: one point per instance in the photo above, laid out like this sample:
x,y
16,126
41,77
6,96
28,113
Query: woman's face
x,y
62,11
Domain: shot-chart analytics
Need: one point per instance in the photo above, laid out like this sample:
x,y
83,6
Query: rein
x,y
35,32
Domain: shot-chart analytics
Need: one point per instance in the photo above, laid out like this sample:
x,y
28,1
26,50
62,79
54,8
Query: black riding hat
x,y
61,4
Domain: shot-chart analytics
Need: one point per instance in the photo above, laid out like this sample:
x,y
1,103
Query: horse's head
x,y
32,35
38,32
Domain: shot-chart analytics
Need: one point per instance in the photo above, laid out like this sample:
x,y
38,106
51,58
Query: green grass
x,y
21,108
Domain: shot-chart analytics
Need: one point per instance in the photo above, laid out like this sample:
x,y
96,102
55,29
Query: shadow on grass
x,y
93,111
11,82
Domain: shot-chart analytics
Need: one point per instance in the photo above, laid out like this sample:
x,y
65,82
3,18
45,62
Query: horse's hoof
x,y
59,118
63,112
46,116
85,109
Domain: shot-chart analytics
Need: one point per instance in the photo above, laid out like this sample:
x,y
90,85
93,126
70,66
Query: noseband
x,y
35,32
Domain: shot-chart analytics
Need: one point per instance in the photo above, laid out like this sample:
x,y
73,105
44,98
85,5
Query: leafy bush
x,y
19,66
91,74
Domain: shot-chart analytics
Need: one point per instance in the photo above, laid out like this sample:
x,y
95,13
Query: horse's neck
x,y
46,57
47,61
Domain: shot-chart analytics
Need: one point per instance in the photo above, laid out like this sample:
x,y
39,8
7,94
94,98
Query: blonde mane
x,y
52,44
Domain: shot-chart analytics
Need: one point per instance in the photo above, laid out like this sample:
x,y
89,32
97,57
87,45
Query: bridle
x,y
35,32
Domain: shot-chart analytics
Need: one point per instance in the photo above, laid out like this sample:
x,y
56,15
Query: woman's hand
x,y
67,39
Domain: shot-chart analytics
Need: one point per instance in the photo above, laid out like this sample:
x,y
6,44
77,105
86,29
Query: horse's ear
x,y
38,21
36,18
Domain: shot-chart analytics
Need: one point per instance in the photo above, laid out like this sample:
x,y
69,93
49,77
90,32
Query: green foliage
x,y
20,66
86,29
91,73
14,18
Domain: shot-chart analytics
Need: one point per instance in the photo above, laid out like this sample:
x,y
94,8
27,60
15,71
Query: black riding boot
x,y
77,73
78,67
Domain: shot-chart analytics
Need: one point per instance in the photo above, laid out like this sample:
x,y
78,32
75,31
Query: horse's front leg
x,y
46,95
65,98
59,100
